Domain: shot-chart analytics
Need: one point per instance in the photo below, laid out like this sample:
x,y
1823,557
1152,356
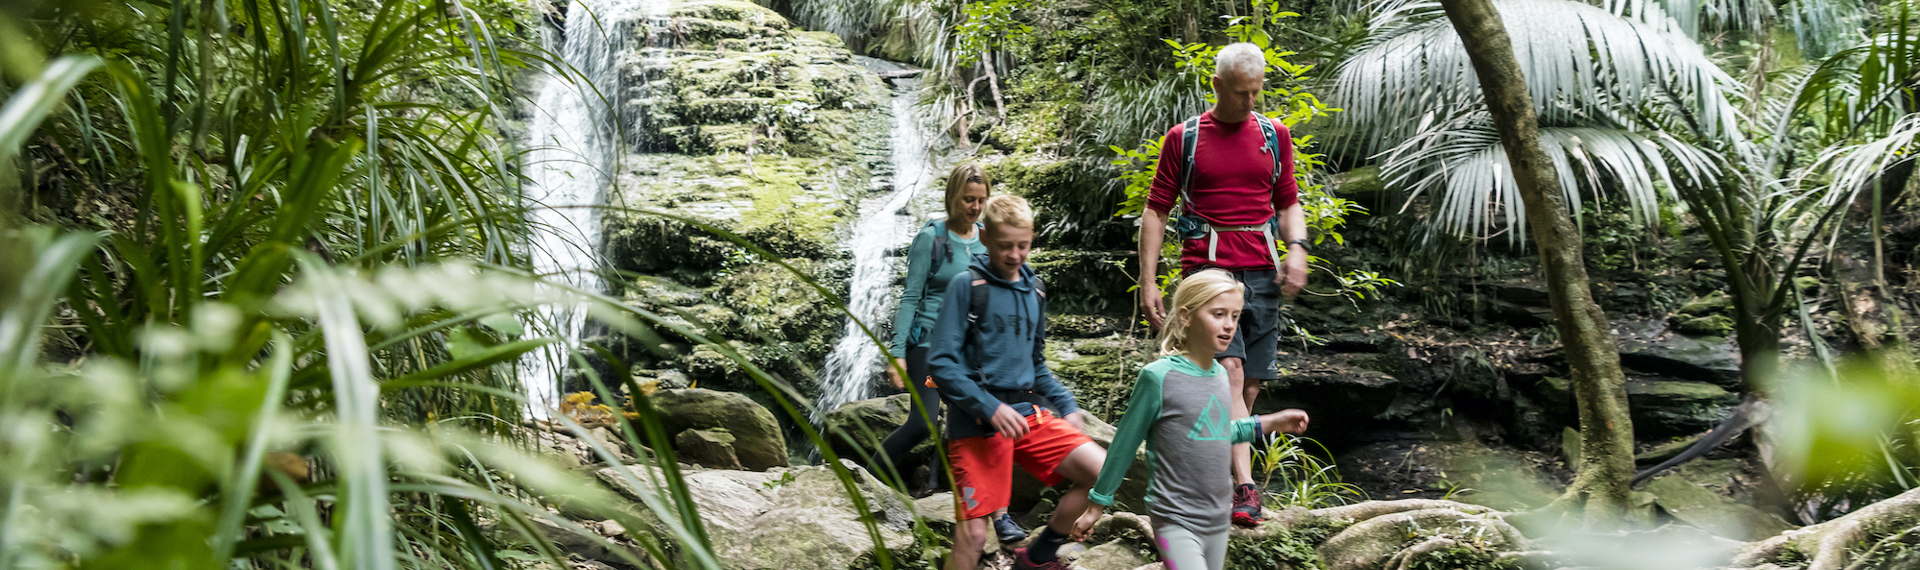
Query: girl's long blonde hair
x,y
1192,292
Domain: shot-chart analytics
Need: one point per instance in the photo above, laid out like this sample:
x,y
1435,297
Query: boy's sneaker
x,y
1008,530
1246,506
1020,562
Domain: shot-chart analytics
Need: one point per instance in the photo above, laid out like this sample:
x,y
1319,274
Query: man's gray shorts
x,y
1257,340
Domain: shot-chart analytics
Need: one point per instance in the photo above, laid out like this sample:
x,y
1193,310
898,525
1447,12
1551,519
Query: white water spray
x,y
851,367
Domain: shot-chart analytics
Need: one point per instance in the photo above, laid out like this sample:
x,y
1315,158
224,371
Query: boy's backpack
x,y
977,307
1191,226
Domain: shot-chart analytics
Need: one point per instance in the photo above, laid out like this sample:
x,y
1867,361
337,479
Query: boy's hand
x,y
1078,419
1289,421
1009,423
1084,525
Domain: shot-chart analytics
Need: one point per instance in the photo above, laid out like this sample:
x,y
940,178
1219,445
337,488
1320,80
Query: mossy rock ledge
x,y
739,122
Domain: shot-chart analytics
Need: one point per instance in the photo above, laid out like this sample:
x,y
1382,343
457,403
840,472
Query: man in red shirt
x,y
1235,191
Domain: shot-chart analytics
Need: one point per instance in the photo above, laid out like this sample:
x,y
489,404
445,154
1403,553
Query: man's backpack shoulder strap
x,y
1189,141
1272,136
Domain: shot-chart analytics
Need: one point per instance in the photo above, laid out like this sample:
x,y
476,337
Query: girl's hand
x,y
1084,525
1292,421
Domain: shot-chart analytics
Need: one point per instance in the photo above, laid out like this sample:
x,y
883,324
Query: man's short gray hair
x,y
1242,59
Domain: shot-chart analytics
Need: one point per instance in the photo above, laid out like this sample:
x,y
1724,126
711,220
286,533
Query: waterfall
x,y
851,367
574,140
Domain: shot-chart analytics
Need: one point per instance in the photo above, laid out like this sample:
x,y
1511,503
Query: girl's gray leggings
x,y
1183,549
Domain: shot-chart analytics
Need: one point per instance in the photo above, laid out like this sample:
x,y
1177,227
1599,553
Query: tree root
x,y
1404,560
1827,543
1370,509
1380,541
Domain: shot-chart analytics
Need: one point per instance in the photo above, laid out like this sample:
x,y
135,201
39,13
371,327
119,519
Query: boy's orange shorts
x,y
983,474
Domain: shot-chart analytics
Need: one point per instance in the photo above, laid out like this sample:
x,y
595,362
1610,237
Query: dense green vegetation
x,y
264,278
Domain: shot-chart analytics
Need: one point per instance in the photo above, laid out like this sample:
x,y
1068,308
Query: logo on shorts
x,y
1214,424
967,495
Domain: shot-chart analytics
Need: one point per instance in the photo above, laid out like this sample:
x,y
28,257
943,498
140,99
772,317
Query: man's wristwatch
x,y
1302,242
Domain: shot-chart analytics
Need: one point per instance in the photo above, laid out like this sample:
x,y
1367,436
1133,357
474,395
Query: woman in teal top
x,y
958,239
1179,409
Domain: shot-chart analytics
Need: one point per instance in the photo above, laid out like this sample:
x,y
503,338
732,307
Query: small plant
x,y
1304,479
784,479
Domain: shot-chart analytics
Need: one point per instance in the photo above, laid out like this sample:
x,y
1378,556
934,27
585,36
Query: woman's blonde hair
x,y
963,175
1192,292
1006,210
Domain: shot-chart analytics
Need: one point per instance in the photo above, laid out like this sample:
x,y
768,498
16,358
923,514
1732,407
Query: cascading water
x,y
574,140
851,367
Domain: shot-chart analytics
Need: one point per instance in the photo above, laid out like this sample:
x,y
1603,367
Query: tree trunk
x,y
1606,432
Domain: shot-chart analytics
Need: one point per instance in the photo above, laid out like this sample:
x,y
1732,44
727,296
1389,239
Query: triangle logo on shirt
x,y
1214,424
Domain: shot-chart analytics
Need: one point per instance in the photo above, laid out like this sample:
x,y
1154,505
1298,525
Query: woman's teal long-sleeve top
x,y
927,283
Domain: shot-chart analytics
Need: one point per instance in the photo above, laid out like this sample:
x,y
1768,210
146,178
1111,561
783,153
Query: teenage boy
x,y
987,361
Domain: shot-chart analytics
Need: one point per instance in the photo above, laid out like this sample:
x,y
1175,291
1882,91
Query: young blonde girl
x,y
1180,411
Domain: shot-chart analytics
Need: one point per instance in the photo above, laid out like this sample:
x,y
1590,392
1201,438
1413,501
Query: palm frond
x,y
1464,165
1849,169
1868,87
1577,59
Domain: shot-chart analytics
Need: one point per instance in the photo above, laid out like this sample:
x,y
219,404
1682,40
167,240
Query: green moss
x,y
1707,325
1706,316
1289,548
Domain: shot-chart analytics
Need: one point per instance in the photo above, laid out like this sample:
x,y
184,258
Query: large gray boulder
x,y
757,438
854,430
791,519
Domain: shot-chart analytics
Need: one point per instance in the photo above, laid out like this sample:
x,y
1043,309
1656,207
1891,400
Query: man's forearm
x,y
1293,224
1153,233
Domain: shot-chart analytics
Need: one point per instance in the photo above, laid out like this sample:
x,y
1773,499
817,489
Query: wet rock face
x,y
741,128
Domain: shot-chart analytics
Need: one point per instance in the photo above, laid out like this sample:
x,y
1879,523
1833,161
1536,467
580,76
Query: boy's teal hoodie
x,y
1013,337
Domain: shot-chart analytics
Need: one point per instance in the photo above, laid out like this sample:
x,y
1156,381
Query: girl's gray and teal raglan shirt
x,y
1182,413
927,283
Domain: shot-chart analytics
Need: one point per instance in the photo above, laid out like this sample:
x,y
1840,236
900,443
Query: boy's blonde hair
x,y
1192,292
963,175
1007,209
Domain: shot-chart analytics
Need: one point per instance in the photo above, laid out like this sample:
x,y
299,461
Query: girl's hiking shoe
x,y
1021,562
1246,506
1008,530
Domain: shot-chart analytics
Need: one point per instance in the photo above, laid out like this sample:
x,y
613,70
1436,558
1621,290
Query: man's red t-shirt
x,y
1230,188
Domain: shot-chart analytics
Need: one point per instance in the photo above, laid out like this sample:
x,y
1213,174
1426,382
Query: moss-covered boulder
x,y
1667,408
1711,315
707,448
855,429
1702,508
758,441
